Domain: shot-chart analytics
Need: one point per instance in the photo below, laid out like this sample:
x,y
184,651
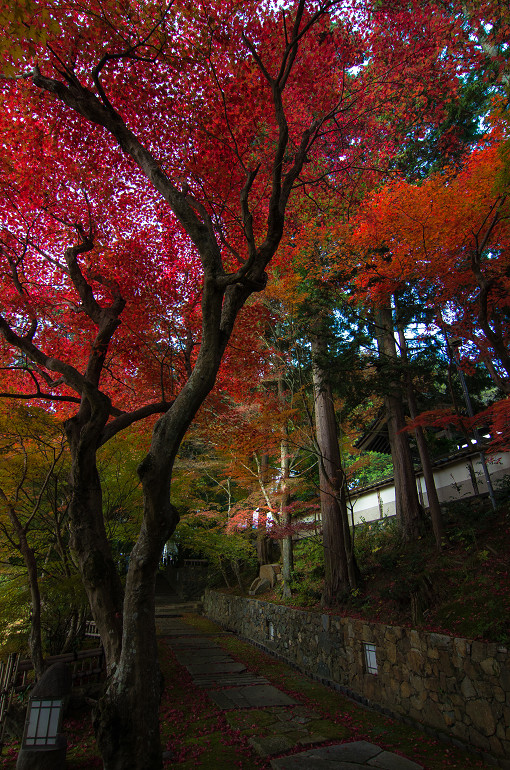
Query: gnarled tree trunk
x,y
127,716
88,535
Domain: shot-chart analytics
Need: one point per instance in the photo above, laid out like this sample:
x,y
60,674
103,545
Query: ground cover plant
x,y
462,590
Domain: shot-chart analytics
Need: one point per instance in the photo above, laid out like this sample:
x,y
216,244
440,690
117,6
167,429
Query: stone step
x,y
219,681
164,609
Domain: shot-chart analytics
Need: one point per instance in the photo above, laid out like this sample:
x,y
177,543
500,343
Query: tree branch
x,y
126,419
71,376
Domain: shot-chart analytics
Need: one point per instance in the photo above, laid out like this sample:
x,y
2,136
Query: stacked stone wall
x,y
452,685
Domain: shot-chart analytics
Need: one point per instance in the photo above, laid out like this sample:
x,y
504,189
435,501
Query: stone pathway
x,y
346,756
287,725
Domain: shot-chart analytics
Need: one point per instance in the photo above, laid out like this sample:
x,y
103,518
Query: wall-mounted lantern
x,y
370,658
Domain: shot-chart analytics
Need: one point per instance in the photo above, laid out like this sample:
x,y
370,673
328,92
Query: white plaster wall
x,y
371,505
453,482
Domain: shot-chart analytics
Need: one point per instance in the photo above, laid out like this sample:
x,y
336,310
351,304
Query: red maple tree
x,y
152,150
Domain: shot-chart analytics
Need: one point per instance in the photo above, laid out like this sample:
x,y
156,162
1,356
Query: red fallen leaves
x,y
198,706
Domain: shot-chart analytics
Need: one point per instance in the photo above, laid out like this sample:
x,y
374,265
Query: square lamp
x,y
370,658
44,719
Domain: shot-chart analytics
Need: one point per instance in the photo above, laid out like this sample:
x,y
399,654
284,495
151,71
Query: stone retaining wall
x,y
453,685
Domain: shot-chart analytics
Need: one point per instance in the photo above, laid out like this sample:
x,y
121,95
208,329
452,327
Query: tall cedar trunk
x,y
285,516
406,495
426,465
340,564
287,554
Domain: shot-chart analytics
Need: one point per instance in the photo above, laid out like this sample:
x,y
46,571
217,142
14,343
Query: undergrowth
x,y
462,589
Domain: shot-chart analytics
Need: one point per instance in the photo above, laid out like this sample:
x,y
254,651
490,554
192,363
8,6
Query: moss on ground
x,y
340,718
199,734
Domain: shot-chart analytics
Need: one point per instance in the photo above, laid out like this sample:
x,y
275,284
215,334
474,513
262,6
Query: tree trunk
x,y
223,571
285,516
126,719
234,563
34,638
340,564
88,535
285,519
426,465
406,496
263,544
74,631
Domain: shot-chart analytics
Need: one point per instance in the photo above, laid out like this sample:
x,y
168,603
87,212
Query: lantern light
x,y
43,723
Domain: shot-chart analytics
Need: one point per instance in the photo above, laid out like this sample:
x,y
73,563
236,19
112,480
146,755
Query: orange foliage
x,y
448,237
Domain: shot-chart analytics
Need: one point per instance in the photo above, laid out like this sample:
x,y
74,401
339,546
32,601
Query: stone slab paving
x,y
170,625
346,756
193,642
176,609
288,724
187,658
251,696
222,680
200,669
285,729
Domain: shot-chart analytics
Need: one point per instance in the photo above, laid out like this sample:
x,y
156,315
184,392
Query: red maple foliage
x,y
150,156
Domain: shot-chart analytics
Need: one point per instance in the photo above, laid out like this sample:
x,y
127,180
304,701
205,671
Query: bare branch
x,y
37,503
43,396
71,376
129,418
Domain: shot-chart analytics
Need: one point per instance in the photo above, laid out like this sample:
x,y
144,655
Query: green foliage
x,y
309,557
448,142
64,605
308,574
14,614
206,536
375,541
122,493
462,590
367,468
